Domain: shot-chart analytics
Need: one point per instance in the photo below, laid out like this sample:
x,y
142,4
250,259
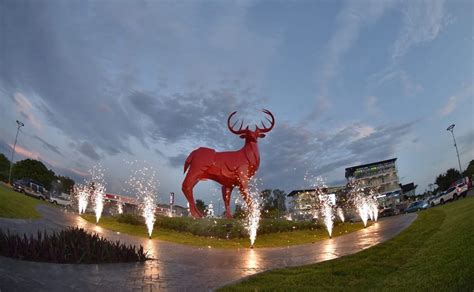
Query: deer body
x,y
230,169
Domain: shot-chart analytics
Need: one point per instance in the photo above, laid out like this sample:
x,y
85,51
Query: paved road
x,y
176,267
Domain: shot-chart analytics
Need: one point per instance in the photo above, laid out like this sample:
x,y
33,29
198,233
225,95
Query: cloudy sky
x,y
349,82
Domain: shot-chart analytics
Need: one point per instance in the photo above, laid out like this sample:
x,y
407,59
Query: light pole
x,y
451,129
20,124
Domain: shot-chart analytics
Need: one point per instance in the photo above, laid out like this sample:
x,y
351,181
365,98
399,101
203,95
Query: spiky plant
x,y
72,245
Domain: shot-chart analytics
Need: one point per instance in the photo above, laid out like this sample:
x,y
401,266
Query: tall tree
x,y
267,200
33,169
444,180
201,205
469,172
239,212
4,167
279,200
67,184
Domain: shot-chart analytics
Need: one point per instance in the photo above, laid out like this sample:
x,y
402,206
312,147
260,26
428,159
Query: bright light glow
x,y
328,215
81,193
120,207
144,184
148,212
363,210
97,190
321,202
252,221
340,213
364,199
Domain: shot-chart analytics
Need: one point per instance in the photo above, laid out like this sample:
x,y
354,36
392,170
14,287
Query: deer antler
x,y
272,122
231,127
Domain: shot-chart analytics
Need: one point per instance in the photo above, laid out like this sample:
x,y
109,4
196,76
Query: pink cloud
x,y
33,155
25,107
78,172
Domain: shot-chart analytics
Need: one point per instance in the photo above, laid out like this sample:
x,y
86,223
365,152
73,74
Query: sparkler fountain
x,y
97,190
328,215
120,207
148,212
252,221
340,213
82,195
373,205
143,183
363,210
321,202
366,204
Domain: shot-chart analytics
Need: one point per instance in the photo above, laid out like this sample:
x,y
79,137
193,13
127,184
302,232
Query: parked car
x,y
61,199
436,199
417,206
462,189
389,212
19,185
31,188
449,195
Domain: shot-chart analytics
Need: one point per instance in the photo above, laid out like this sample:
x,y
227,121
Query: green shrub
x,y
277,226
130,219
72,245
228,228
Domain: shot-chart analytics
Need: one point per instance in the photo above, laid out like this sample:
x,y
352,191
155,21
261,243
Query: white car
x,y
462,189
62,200
436,199
448,195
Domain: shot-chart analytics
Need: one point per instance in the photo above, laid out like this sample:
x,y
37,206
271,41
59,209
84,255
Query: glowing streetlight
x,y
20,124
451,129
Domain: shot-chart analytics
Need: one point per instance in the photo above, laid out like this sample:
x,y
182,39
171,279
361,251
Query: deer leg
x,y
226,192
188,184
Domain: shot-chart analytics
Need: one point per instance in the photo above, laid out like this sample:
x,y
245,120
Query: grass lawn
x,y
436,253
17,205
264,240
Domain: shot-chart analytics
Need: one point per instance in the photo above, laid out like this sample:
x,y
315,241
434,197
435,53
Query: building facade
x,y
302,204
382,176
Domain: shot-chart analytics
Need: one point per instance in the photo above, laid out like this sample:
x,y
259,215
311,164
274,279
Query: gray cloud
x,y
291,152
5,149
62,67
48,146
177,161
81,61
198,116
88,150
466,142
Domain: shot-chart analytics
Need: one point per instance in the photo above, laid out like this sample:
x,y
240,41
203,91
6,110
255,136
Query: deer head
x,y
248,134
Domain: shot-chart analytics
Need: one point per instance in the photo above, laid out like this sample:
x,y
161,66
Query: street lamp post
x,y
19,124
451,129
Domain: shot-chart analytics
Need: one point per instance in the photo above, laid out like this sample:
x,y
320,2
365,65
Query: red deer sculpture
x,y
230,169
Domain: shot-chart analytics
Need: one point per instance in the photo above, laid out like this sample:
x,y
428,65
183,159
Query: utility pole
x,y
451,129
19,124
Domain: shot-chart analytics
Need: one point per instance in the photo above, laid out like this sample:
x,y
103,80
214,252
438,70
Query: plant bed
x,y
219,228
275,239
72,245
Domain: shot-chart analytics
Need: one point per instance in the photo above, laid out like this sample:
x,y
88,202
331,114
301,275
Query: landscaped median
x,y
435,253
224,233
17,205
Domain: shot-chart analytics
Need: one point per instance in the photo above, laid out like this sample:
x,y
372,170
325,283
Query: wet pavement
x,y
175,267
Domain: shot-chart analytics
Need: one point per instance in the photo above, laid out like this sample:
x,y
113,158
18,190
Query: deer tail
x,y
188,161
